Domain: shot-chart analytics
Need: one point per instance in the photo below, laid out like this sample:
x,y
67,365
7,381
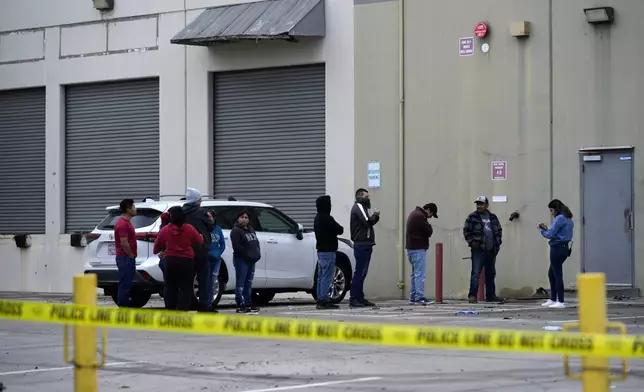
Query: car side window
x,y
227,216
273,221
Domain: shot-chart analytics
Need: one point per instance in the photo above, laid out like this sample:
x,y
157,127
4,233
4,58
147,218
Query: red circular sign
x,y
480,30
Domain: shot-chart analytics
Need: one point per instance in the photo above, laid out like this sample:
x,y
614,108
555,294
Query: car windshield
x,y
144,217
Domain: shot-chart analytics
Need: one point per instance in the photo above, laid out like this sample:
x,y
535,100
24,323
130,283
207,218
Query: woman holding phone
x,y
560,236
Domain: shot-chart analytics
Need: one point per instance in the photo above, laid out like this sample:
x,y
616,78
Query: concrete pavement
x,y
31,354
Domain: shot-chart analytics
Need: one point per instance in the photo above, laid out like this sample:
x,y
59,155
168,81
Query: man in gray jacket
x,y
198,217
364,239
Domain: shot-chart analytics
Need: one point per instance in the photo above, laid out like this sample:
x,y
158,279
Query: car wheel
x,y
138,298
261,298
340,284
219,291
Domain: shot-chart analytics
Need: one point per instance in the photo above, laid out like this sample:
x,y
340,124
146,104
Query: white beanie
x,y
192,195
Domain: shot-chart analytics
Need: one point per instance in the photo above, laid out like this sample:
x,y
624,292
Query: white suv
x,y
288,263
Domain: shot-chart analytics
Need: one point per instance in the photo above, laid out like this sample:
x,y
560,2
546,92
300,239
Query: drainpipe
x,y
401,146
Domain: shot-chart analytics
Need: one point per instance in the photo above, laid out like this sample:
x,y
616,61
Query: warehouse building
x,y
100,104
443,101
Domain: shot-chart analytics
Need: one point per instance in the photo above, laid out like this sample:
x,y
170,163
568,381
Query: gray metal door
x,y
112,148
607,214
22,161
269,137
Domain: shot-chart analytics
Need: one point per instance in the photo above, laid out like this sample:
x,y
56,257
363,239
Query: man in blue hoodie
x,y
217,248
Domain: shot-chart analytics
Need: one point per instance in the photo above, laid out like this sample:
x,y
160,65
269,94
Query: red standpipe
x,y
439,273
481,293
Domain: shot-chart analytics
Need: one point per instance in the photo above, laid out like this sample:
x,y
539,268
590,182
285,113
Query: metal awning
x,y
268,19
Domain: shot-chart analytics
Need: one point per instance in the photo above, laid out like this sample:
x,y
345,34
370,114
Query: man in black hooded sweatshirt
x,y
198,217
364,239
327,231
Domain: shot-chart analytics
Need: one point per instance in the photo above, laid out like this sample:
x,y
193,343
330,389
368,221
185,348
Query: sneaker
x,y
547,303
425,302
473,300
253,309
326,306
368,303
495,299
557,305
243,309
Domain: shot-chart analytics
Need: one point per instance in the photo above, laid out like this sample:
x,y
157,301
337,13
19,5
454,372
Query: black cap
x,y
432,208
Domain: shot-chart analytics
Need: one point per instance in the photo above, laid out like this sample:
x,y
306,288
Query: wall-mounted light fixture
x,y
600,15
104,5
520,29
23,241
78,240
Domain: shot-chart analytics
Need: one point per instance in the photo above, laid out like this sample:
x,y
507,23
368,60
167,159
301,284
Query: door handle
x,y
271,241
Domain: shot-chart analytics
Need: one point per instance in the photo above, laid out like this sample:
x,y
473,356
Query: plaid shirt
x,y
474,233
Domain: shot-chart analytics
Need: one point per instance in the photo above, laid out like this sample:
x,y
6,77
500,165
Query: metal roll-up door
x,y
111,148
22,161
269,137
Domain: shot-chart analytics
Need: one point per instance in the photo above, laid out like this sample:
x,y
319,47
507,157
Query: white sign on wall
x,y
373,174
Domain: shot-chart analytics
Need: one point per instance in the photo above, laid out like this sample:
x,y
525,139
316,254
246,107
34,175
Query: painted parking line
x,y
17,372
416,313
609,317
319,384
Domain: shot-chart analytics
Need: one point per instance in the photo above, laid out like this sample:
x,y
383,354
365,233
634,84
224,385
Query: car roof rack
x,y
211,197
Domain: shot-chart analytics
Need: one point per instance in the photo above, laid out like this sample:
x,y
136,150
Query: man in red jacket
x,y
419,230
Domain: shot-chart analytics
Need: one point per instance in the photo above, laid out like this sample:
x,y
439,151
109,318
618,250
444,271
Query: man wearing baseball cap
x,y
419,230
483,234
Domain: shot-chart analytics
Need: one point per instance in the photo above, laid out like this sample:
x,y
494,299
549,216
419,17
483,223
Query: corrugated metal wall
x,y
112,148
22,161
269,137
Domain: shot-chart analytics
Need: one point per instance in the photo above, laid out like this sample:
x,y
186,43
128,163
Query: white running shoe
x,y
547,303
557,305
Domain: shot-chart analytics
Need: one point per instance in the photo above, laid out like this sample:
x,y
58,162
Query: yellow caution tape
x,y
623,346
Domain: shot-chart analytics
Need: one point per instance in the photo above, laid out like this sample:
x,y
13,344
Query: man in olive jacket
x,y
483,234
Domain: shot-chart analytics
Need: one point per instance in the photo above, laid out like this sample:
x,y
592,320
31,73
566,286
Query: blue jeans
x,y
244,273
362,253
326,268
204,277
126,269
214,263
480,259
418,274
558,254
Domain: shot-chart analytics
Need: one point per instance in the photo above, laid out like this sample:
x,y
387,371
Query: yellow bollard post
x,y
592,319
85,345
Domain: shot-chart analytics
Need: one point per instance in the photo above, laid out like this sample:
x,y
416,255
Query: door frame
x,y
599,150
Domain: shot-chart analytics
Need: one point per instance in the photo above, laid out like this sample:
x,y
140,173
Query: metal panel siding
x,y
263,19
269,137
112,148
22,161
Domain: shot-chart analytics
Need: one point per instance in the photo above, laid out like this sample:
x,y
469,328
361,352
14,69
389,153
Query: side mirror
x,y
300,232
